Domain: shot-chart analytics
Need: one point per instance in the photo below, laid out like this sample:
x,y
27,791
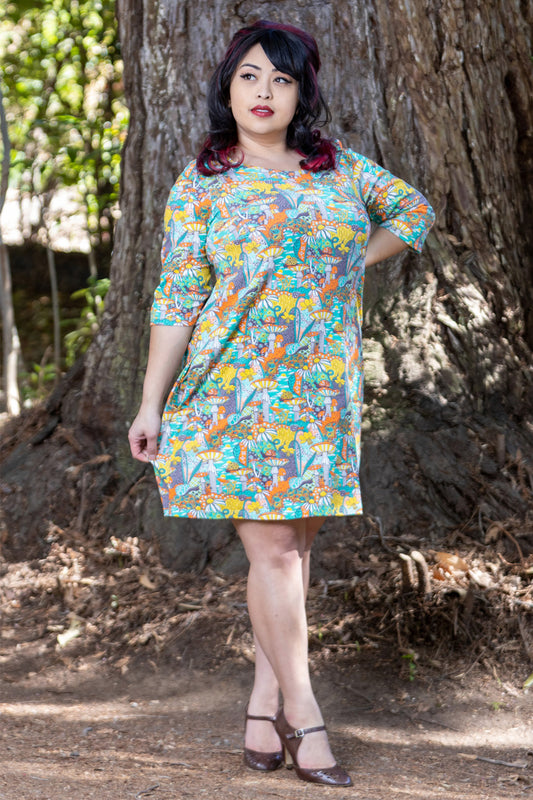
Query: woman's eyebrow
x,y
275,69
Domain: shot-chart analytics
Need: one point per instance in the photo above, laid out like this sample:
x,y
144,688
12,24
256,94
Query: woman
x,y
266,241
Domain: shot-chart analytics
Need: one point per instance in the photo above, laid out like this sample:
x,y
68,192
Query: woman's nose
x,y
263,90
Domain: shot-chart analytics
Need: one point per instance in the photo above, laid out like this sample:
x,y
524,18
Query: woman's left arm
x,y
381,245
402,214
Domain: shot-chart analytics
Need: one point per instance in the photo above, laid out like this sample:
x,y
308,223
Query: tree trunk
x,y
439,93
10,338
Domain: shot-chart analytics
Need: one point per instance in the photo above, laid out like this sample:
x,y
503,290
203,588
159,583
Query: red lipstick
x,y
262,111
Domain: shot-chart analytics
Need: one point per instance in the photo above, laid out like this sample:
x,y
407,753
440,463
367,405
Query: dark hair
x,y
292,51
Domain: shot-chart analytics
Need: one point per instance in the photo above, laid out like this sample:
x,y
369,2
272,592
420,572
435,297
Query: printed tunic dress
x,y
263,421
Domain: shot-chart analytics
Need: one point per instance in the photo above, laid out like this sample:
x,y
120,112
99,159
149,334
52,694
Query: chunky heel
x,y
291,738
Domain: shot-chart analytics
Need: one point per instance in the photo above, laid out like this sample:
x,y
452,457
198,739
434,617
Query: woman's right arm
x,y
167,347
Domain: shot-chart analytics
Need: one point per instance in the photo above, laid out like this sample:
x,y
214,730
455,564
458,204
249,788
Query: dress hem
x,y
272,516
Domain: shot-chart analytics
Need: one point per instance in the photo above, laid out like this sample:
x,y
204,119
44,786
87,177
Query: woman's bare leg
x,y
276,603
264,699
312,526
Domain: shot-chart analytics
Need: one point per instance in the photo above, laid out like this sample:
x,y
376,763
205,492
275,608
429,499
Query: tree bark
x,y
439,93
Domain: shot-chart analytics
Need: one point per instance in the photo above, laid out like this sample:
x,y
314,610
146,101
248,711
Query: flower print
x,y
264,419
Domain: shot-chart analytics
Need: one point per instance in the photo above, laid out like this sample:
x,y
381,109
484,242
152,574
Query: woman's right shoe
x,y
291,739
264,762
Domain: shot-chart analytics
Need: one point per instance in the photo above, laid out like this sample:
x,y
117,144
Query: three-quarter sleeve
x,y
392,203
186,276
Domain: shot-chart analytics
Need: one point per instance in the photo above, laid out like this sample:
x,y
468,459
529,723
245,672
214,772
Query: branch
x,y
6,154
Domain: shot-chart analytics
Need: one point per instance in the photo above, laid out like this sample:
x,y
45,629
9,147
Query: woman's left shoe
x,y
291,739
264,762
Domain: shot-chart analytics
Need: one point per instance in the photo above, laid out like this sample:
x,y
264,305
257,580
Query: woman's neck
x,y
274,155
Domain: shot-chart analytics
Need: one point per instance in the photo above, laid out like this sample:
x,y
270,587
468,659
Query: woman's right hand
x,y
168,344
143,434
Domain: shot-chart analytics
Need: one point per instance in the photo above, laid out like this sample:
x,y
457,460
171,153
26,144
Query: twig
x,y
353,691
515,542
147,791
435,722
74,471
382,537
512,764
126,489
527,643
471,667
522,603
83,502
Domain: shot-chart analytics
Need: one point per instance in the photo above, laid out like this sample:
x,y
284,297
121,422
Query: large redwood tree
x,y
440,94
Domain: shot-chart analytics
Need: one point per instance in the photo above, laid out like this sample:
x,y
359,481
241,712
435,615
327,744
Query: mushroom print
x,y
216,402
327,394
322,316
275,463
272,331
267,267
211,456
265,384
325,449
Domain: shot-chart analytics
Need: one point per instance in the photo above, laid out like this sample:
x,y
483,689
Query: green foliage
x,y
62,76
36,385
78,340
411,658
81,316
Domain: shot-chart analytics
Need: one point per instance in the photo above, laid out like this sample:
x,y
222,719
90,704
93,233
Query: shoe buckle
x,y
299,733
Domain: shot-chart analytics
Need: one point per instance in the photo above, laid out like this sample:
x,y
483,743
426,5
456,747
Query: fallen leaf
x,y
454,564
528,682
482,579
493,532
71,633
145,581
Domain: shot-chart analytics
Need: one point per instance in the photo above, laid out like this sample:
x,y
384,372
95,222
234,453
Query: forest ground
x,y
121,679
85,730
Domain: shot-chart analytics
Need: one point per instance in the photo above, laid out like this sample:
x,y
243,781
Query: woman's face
x,y
263,100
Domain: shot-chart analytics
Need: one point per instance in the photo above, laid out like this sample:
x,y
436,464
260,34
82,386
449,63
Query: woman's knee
x,y
279,544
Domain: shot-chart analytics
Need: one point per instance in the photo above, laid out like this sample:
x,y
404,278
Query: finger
x,y
142,456
151,447
138,447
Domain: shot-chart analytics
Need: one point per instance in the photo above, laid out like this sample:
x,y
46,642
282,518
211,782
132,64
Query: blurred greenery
x,y
81,315
62,79
78,340
61,74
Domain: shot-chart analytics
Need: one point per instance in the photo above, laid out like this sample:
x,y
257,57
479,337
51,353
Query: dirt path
x,y
84,730
122,680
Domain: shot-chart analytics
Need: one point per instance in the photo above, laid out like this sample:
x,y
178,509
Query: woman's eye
x,y
281,79
248,76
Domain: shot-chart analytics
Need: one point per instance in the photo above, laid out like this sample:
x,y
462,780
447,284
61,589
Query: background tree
x,y
62,72
439,93
10,340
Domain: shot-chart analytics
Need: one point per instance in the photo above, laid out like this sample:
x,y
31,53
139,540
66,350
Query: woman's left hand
x,y
381,245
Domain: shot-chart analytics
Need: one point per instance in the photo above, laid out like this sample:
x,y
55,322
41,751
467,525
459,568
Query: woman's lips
x,y
262,111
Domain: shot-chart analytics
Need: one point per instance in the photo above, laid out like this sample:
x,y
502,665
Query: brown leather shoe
x,y
264,762
291,738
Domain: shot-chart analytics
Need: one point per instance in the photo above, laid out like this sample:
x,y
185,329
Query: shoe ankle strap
x,y
266,719
299,733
